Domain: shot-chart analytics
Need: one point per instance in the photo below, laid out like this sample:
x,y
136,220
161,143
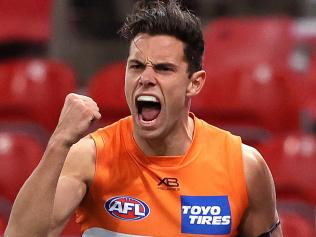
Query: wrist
x,y
62,138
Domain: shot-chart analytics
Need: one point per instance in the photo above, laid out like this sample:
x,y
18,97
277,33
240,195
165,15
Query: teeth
x,y
147,98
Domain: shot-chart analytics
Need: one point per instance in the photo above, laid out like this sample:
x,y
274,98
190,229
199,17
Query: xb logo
x,y
169,184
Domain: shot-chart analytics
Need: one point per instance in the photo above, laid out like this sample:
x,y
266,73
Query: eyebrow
x,y
155,65
134,61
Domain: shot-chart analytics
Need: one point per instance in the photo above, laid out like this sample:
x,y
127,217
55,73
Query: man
x,y
159,172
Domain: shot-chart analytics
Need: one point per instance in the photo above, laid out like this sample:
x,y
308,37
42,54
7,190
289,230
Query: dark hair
x,y
157,17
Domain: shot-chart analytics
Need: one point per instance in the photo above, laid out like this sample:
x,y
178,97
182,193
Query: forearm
x,y
33,207
32,211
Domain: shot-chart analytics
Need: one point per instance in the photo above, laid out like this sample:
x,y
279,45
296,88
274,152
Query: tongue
x,y
149,114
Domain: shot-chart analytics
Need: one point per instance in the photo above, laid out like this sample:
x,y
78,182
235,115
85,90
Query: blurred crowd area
x,y
260,58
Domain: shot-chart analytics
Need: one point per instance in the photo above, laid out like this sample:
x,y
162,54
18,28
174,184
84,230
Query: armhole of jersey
x,y
239,170
99,146
243,175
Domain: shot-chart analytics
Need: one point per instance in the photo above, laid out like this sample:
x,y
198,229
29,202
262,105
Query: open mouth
x,y
148,107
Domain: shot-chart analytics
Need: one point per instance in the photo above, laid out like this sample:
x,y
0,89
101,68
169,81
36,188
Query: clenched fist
x,y
76,116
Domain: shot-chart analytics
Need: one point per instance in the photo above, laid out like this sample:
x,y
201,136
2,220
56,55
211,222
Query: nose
x,y
147,78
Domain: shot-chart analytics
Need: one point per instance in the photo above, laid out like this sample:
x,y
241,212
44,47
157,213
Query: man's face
x,y
156,84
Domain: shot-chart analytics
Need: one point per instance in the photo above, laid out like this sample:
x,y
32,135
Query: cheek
x,y
129,87
127,90
177,95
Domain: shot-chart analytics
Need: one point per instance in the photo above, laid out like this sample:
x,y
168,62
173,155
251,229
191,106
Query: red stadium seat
x,y
245,59
303,85
292,161
19,155
34,90
107,89
234,42
294,225
27,20
303,88
253,102
297,218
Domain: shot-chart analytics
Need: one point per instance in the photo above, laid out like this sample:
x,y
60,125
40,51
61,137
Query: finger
x,y
92,106
97,115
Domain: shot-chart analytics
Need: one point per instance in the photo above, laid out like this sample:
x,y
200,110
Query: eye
x,y
136,66
164,68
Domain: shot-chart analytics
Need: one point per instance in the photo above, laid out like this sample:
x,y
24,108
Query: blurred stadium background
x,y
261,64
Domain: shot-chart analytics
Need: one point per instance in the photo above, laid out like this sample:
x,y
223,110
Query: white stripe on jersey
x,y
99,232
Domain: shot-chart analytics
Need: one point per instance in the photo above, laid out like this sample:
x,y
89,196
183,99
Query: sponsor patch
x,y
127,208
209,215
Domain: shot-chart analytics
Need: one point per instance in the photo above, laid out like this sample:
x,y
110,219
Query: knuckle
x,y
77,103
87,112
71,97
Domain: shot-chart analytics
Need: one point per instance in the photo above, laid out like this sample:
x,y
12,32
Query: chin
x,y
148,133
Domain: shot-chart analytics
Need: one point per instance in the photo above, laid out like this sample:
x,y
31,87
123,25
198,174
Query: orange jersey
x,y
202,193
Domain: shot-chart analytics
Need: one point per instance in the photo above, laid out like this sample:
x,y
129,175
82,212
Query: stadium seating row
x,y
25,21
256,67
253,80
261,85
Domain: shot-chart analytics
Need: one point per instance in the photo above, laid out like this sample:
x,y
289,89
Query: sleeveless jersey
x,y
202,193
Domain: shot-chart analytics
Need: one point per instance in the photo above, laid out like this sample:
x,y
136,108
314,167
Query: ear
x,y
196,83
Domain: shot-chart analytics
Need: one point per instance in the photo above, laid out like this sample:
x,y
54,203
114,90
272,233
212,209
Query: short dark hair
x,y
157,17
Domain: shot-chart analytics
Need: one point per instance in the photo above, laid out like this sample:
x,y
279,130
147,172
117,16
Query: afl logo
x,y
127,208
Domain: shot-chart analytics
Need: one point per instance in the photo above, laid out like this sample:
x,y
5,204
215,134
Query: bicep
x,y
261,213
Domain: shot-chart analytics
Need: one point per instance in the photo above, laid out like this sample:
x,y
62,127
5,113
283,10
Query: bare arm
x,y
32,210
73,182
261,214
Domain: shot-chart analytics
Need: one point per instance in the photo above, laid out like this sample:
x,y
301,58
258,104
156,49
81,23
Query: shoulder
x,y
257,172
253,160
80,161
261,213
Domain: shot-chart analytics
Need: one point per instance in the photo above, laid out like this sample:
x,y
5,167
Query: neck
x,y
176,143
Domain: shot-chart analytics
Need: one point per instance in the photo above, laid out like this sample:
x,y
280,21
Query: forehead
x,y
157,48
